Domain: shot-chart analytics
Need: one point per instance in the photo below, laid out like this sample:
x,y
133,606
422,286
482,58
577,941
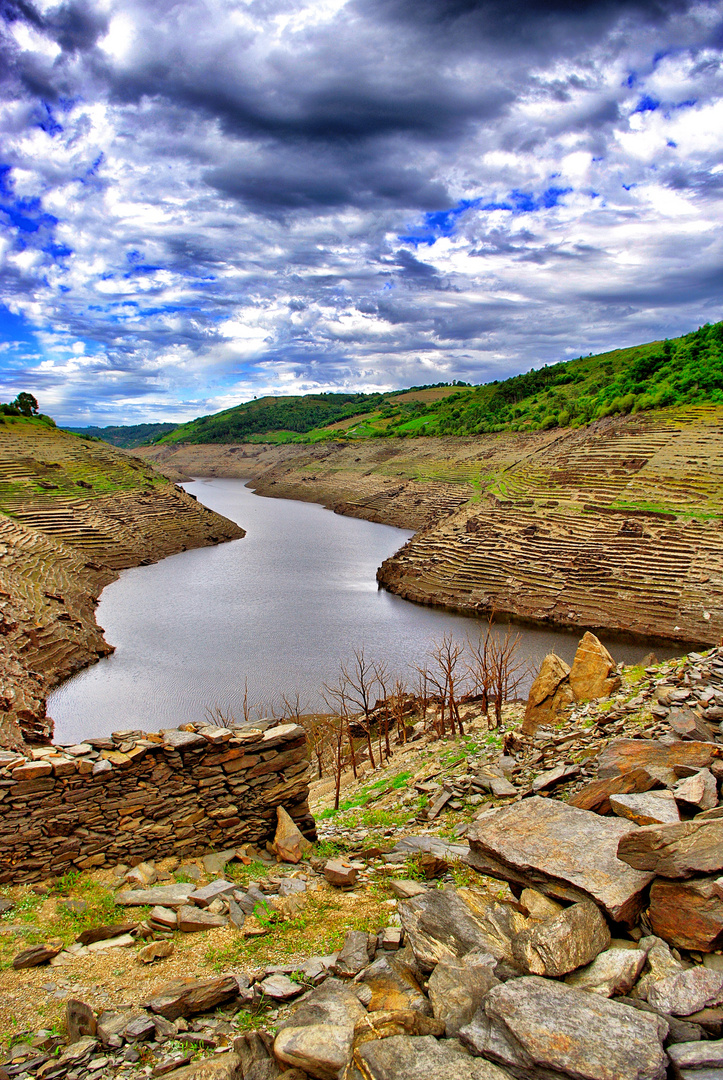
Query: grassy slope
x,y
127,437
685,370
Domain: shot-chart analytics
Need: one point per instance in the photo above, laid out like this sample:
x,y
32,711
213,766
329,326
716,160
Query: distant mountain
x,y
127,437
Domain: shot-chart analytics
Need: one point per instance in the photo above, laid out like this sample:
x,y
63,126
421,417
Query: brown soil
x,y
72,514
614,527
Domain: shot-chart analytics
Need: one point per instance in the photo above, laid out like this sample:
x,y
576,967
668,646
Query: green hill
x,y
684,370
126,437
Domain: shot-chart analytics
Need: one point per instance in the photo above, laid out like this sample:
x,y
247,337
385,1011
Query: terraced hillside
x,y
614,526
73,513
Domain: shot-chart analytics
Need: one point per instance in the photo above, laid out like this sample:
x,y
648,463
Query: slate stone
x,y
551,777
236,914
649,808
218,1067
156,950
340,873
164,917
192,920
188,997
441,924
215,861
318,1035
171,896
385,1024
549,695
206,895
687,850
613,972
104,933
622,755
36,955
140,1029
659,963
593,672
688,725
457,988
422,1058
354,955
290,843
80,1020
543,1028
595,796
698,791
394,986
410,846
280,988
561,944
686,992
182,740
696,1055
404,888
687,914
567,853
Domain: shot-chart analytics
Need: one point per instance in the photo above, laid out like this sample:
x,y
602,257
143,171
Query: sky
x,y
203,201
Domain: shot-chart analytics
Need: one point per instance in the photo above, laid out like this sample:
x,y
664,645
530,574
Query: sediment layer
x,y
613,527
73,513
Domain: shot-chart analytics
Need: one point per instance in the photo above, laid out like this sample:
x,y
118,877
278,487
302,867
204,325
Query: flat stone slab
x,y
687,914
648,808
423,1058
188,997
566,853
183,740
409,846
676,851
205,896
623,755
546,1029
170,896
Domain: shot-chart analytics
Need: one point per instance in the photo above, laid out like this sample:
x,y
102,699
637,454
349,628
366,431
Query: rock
x,y
457,988
422,1058
405,887
157,950
340,873
80,1020
236,914
650,808
686,850
170,896
123,941
696,1056
567,853
410,846
140,1029
77,1053
112,1024
36,955
291,887
188,997
281,988
6,905
355,953
394,986
290,843
549,694
699,790
442,924
686,992
255,1051
593,670
688,725
165,918
142,874
595,796
559,775
562,944
659,963
613,972
385,1024
319,1033
104,933
542,1028
182,740
622,755
538,906
687,914
218,1067
193,919
215,861
206,896
74,907
189,870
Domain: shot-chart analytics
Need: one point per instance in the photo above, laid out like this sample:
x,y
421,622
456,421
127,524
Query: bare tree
x,y
398,705
508,670
447,678
359,680
336,698
383,679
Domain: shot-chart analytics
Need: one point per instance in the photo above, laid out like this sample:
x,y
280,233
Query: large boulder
x,y
318,1035
457,988
394,985
542,1028
623,755
566,942
679,851
593,670
567,853
612,973
549,696
188,997
422,1058
686,992
219,1067
289,842
687,914
648,808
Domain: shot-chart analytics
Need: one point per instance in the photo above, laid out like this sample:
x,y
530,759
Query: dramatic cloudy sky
x,y
206,200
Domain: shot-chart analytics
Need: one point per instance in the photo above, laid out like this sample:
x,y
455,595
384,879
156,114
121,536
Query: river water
x,y
276,611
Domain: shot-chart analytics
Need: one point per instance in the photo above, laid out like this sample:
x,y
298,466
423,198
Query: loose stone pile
x,y
139,795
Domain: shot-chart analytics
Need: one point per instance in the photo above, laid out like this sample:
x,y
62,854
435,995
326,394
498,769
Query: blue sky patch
x,y
437,223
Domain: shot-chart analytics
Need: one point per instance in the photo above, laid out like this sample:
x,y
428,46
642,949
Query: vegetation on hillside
x,y
126,437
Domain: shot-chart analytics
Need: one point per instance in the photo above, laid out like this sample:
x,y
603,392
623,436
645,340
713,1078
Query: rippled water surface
x,y
280,608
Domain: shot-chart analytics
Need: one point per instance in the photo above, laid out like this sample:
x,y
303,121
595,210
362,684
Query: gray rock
x,y
405,888
291,886
355,953
562,944
215,861
648,808
140,1029
205,896
679,1031
699,791
659,963
559,775
409,846
170,896
441,924
696,1055
193,919
422,1058
686,850
280,988
687,992
541,1028
218,1067
457,988
164,917
318,1035
188,997
182,740
36,955
614,971
236,914
255,1050
567,853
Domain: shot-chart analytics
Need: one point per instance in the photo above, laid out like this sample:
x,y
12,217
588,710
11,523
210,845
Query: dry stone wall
x,y
136,796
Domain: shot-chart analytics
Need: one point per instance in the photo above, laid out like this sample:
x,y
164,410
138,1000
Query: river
x,y
276,612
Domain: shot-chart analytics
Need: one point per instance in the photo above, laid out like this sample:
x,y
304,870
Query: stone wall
x,y
136,796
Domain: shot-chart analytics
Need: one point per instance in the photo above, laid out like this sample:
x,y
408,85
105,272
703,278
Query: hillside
x,y
683,371
73,513
126,436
